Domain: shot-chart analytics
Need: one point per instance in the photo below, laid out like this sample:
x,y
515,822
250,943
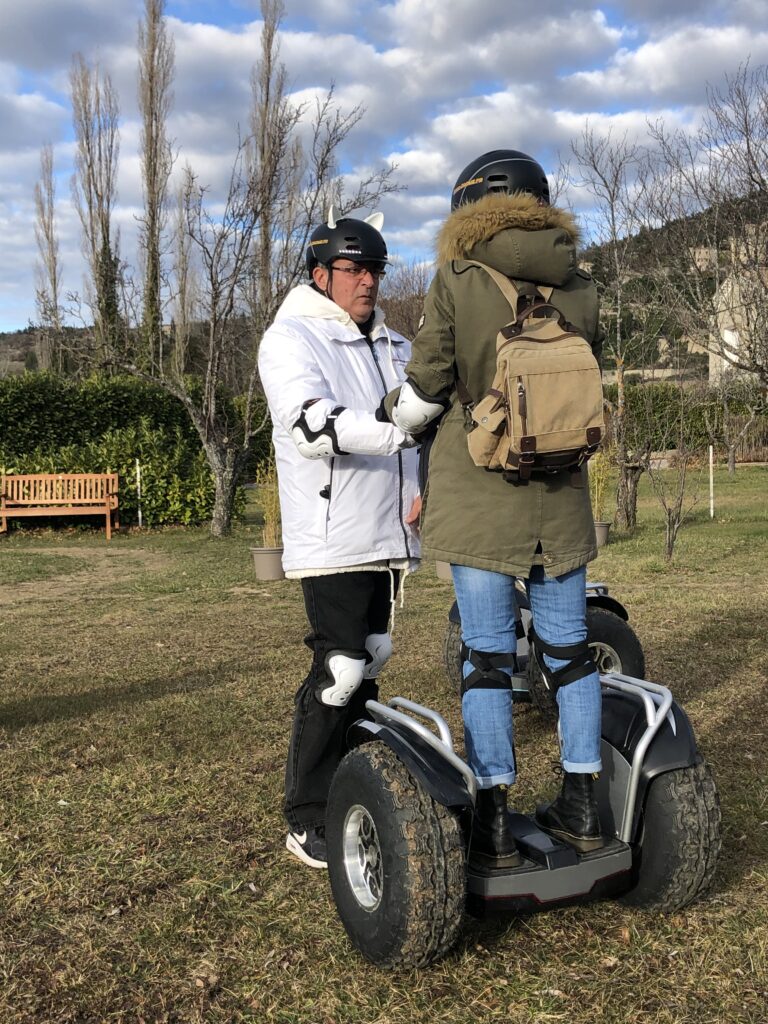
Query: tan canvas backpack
x,y
544,409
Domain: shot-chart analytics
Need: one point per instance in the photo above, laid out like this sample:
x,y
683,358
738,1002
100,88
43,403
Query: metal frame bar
x,y
444,746
657,702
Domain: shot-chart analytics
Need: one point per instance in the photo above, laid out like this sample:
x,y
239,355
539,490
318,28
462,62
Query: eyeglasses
x,y
358,271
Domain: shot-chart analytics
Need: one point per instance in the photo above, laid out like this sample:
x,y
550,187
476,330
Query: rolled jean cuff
x,y
582,768
489,781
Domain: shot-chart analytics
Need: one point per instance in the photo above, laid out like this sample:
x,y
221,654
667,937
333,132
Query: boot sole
x,y
582,844
486,862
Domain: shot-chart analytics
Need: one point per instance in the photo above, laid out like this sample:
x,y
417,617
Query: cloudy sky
x,y
441,80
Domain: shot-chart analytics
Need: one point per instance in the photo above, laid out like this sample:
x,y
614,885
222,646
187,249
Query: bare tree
x,y
734,405
232,268
48,275
185,285
156,70
301,178
608,169
95,119
222,246
709,204
403,293
676,471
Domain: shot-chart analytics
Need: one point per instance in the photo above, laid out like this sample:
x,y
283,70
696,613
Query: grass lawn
x,y
145,701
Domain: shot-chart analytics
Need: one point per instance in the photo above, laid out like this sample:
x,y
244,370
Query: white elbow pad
x,y
317,444
413,411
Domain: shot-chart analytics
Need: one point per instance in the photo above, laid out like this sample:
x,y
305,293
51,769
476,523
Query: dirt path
x,y
106,567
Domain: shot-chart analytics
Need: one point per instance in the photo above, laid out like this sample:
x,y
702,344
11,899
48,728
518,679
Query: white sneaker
x,y
309,846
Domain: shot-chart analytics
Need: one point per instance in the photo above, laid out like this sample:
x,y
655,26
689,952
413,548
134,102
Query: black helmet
x,y
501,170
349,238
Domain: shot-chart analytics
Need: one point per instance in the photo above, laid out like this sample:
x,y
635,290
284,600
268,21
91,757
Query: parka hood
x,y
515,235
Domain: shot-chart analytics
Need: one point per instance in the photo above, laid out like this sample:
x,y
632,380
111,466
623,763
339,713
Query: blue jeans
x,y
558,607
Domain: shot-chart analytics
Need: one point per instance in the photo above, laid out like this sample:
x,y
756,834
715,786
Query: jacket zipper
x,y
371,346
326,492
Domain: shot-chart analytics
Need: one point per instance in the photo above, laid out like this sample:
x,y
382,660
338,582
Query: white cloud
x,y
441,82
674,67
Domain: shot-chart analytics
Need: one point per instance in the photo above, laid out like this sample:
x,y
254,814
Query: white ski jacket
x,y
346,510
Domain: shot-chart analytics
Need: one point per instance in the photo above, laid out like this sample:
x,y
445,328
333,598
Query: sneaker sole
x,y
298,851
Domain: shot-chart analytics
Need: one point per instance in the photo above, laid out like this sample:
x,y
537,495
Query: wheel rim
x,y
362,858
605,657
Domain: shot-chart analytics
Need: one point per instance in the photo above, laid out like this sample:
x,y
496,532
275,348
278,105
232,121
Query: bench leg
x,y
109,524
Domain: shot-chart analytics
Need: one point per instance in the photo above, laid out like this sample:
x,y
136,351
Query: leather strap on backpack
x,y
512,293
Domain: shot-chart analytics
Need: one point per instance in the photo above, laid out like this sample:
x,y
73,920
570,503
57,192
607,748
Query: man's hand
x,y
412,519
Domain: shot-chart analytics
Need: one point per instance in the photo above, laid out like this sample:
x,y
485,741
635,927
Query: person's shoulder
x,y
300,325
583,273
289,338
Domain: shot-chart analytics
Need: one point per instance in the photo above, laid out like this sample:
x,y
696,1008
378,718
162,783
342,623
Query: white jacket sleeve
x,y
292,376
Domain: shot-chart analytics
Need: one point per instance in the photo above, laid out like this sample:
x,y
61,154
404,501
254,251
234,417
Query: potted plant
x,y
599,471
268,559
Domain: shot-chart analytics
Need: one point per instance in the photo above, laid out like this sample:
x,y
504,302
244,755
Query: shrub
x,y
176,483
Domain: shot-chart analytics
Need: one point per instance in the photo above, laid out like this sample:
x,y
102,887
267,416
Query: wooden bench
x,y
59,494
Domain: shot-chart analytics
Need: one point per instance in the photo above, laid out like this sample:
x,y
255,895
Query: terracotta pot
x,y
601,532
268,563
443,570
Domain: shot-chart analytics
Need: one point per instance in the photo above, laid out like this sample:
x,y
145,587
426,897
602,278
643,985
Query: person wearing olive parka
x,y
490,530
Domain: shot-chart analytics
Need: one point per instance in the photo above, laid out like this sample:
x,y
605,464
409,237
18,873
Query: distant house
x,y
741,318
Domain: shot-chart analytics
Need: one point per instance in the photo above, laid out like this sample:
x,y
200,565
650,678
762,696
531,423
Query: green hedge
x,y
48,412
49,424
176,483
655,410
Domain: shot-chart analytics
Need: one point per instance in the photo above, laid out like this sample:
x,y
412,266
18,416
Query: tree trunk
x,y
731,459
672,526
226,464
626,495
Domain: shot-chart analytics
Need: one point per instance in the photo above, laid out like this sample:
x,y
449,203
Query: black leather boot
x,y
493,845
573,817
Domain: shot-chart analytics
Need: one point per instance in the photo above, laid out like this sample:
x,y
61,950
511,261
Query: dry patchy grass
x,y
145,700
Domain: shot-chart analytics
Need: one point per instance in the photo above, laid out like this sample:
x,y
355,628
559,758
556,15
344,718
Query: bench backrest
x,y
58,488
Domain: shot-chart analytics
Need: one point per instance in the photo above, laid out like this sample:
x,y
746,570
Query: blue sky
x,y
441,82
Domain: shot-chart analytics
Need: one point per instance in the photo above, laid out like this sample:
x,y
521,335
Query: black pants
x,y
343,609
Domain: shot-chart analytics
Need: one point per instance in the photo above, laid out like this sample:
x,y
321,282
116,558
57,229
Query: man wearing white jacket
x,y
348,497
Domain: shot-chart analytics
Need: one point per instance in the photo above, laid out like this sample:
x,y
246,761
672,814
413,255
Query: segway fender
x,y
623,725
440,779
609,603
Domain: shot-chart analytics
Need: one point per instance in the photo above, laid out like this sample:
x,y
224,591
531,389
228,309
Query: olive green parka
x,y
472,516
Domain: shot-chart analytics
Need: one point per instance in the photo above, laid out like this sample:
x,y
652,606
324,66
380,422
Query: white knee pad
x,y
345,675
379,646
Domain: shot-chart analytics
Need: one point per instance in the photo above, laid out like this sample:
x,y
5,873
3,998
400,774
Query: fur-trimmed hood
x,y
515,235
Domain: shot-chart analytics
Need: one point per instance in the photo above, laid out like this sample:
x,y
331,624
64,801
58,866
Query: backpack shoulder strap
x,y
505,286
508,288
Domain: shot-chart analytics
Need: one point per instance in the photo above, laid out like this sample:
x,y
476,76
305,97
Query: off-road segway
x,y
614,645
400,818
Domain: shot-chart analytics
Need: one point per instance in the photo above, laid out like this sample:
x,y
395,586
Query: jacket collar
x,y
305,301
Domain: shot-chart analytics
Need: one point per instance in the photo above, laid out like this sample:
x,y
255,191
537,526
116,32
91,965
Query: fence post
x,y
711,482
138,488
